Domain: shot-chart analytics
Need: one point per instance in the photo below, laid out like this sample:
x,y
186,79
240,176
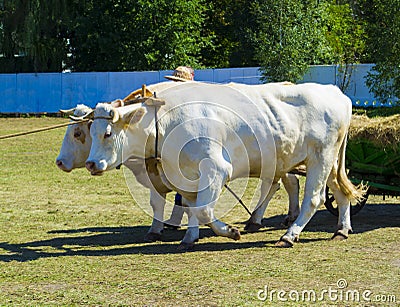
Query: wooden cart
x,y
376,167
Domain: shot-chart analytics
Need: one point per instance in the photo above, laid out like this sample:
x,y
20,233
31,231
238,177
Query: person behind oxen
x,y
180,74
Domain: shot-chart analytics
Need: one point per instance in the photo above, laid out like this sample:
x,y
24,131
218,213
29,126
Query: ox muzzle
x,y
94,168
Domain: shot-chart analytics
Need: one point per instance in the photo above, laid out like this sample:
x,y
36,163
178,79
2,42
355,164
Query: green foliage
x,y
345,36
170,34
32,36
344,33
384,38
138,35
231,24
285,37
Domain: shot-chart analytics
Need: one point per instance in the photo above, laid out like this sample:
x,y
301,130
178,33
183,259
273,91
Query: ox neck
x,y
151,136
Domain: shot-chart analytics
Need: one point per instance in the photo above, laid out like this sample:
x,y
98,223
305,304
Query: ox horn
x,y
67,112
88,115
115,115
117,103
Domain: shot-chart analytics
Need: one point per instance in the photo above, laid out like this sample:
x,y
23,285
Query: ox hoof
x,y
185,247
171,226
252,227
339,236
288,221
234,233
284,243
152,237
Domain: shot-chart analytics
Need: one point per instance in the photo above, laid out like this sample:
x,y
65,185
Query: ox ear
x,y
114,114
134,116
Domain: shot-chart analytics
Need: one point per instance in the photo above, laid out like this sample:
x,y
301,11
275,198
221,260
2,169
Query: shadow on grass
x,y
111,241
114,241
371,217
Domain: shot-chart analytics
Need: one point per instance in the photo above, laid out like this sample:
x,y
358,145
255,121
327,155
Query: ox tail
x,y
354,193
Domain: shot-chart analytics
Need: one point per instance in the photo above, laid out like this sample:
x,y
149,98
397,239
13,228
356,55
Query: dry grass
x,y
384,132
72,239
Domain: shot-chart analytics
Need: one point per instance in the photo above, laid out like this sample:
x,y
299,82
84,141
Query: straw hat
x,y
181,73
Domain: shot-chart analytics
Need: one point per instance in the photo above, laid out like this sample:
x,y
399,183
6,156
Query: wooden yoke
x,y
143,95
143,92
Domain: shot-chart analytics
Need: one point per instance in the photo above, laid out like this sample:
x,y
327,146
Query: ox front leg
x,y
214,175
292,187
157,202
192,232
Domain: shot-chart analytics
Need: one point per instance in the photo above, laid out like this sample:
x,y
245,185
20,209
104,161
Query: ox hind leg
x,y
343,203
319,167
292,187
291,184
267,192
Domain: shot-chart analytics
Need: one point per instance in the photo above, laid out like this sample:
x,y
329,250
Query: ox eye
x,y
108,132
77,134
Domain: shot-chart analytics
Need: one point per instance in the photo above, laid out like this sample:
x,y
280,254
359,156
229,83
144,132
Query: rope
x,y
238,199
2,137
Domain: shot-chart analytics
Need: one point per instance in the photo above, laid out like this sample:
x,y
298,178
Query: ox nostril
x,y
90,165
59,163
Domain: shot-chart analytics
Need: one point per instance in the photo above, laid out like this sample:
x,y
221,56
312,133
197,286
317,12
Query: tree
x,y
230,24
383,18
345,37
98,34
138,35
32,35
286,36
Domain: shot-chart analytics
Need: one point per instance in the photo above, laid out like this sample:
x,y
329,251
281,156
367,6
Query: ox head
x,y
76,144
77,140
108,133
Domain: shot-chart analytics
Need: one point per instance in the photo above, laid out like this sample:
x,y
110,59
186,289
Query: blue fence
x,y
49,92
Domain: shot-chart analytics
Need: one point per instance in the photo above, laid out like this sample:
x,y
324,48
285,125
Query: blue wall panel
x,y
49,92
359,91
84,88
37,93
321,74
8,93
206,75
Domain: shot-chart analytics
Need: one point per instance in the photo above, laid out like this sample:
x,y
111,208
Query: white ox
x,y
75,150
211,134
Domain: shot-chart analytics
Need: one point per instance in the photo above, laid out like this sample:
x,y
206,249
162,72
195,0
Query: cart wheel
x,y
331,205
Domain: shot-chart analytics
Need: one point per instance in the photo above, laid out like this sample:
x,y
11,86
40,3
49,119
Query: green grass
x,y
73,239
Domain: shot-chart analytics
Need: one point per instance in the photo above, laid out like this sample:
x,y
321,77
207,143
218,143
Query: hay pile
x,y
383,132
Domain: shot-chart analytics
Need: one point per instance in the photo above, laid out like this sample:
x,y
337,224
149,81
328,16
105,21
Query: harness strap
x,y
103,117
